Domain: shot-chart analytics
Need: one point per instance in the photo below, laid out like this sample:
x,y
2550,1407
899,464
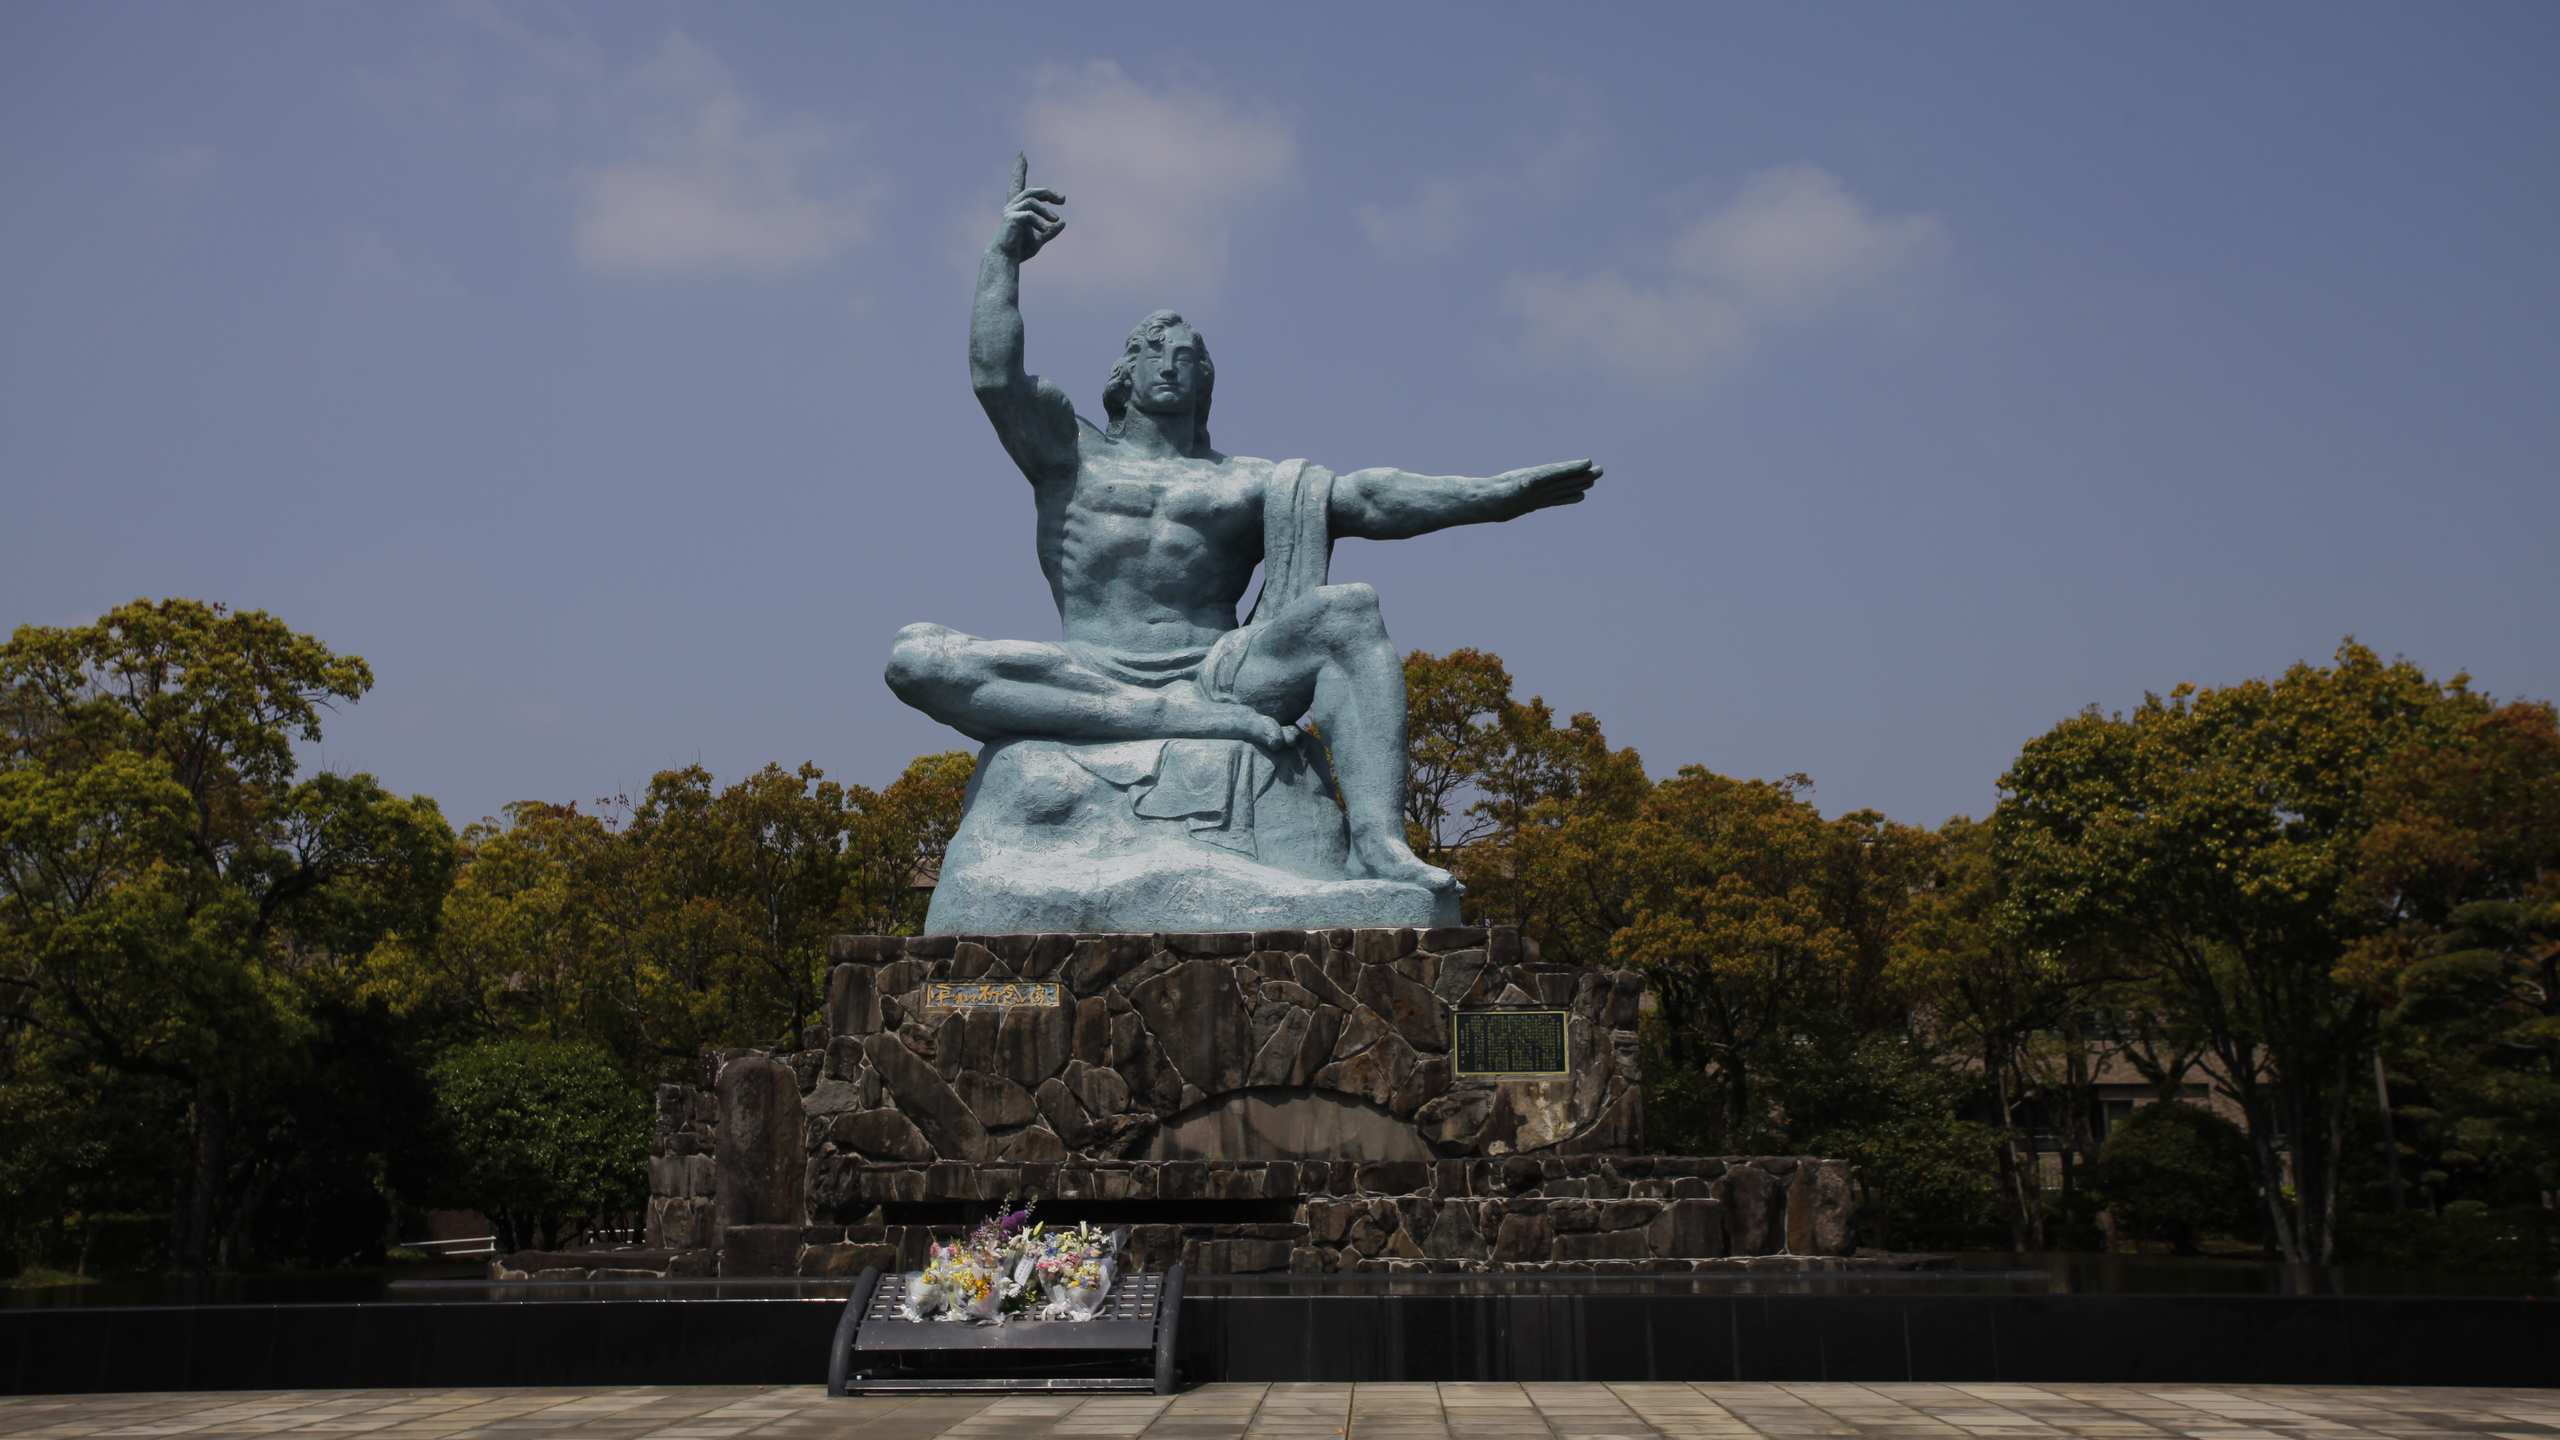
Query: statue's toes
x,y
1403,867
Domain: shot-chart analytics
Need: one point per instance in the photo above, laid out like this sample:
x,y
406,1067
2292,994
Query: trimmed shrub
x,y
2177,1173
541,1136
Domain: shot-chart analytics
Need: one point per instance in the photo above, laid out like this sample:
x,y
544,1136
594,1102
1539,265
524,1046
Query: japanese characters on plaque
x,y
1508,1043
990,994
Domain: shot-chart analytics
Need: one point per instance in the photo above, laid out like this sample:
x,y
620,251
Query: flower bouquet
x,y
974,1280
1009,1267
1074,1270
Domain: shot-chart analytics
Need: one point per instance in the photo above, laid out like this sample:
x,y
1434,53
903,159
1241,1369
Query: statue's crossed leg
x,y
1325,655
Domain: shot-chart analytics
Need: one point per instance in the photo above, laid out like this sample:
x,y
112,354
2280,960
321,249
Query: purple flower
x,y
1016,1221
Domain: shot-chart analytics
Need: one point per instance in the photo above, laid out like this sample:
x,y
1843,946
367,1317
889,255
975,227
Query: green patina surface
x,y
1153,768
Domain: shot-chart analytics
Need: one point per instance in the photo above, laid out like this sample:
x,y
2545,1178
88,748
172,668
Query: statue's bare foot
x,y
1225,720
1383,858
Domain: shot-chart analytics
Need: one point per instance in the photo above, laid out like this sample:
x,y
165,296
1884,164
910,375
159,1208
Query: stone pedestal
x,y
1234,1047
1246,1101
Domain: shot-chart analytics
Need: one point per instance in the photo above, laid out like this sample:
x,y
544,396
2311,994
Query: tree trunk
x,y
2390,1139
2031,1189
2079,1136
2017,1182
2280,1229
191,1237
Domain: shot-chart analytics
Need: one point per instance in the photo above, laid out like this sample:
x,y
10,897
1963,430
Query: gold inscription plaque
x,y
990,994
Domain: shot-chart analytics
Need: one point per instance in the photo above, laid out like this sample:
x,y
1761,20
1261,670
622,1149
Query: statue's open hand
x,y
1029,223
1540,486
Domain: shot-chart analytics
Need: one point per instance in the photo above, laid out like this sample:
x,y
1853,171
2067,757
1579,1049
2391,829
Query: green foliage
x,y
520,939
1757,924
2003,1003
76,1152
44,1277
541,1136
172,889
2473,1033
2177,1173
2217,837
894,844
700,921
2516,1242
220,980
1897,1112
1529,813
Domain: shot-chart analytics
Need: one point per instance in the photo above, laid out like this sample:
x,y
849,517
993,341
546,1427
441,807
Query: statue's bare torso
x,y
1149,554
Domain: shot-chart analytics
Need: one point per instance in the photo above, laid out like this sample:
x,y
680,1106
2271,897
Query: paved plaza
x,y
1219,1412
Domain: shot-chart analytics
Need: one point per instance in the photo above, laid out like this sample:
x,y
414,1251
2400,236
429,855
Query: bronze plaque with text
x,y
1512,1043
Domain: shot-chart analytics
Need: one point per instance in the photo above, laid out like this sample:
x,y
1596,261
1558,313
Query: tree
x,y
1887,1103
1730,918
72,1156
2214,834
170,894
896,840
1459,716
1530,814
724,900
2176,1172
2474,1027
518,947
542,1136
2462,871
782,836
1997,997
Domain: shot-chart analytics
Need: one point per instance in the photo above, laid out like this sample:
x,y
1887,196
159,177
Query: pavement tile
x,y
1315,1411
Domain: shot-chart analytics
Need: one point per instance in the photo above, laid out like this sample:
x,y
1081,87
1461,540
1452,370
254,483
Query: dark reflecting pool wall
x,y
1991,1273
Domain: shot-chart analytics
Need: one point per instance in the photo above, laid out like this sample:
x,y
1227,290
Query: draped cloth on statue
x,y
1211,785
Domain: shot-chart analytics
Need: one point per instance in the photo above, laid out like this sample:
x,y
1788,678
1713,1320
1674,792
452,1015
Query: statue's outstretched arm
x,y
1032,417
1387,504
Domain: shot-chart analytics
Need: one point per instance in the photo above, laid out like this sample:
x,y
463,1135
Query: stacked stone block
x,y
1268,1102
1159,1029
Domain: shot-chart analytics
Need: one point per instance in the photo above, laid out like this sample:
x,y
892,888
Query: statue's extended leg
x,y
1328,653
990,689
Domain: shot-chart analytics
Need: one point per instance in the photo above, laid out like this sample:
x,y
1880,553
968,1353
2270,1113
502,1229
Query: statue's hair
x,y
1115,391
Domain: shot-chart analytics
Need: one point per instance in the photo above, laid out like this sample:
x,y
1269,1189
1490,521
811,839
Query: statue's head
x,y
1164,370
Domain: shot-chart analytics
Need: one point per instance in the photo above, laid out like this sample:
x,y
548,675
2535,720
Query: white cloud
x,y
1790,241
1436,217
1157,177
1796,236
1602,319
378,268
715,185
1431,223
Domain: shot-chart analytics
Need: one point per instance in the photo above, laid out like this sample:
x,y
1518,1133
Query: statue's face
x,y
1165,378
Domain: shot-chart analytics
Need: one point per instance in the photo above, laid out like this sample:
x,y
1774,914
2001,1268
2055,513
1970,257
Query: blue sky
x,y
596,371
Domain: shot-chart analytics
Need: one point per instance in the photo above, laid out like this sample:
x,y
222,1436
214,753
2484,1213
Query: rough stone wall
x,y
684,1172
1571,1212
1534,1213
1288,1074
1523,1212
1245,1046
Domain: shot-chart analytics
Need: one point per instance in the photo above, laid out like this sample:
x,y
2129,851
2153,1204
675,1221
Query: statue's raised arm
x,y
1032,417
